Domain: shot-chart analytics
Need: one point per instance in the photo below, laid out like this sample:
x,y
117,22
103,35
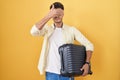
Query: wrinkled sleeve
x,y
82,40
36,32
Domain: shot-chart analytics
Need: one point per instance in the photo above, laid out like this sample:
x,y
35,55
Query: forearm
x,y
42,22
88,55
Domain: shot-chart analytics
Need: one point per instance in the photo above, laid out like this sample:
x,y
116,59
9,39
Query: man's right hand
x,y
55,12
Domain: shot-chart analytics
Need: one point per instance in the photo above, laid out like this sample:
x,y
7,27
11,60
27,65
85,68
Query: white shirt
x,y
53,59
70,34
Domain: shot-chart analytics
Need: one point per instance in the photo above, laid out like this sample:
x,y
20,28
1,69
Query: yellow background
x,y
98,20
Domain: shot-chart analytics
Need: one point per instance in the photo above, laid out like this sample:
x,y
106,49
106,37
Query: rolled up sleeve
x,y
83,40
36,32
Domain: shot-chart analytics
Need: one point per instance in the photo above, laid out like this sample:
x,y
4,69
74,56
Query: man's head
x,y
57,5
60,8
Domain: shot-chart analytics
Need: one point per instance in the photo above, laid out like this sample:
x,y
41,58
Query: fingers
x,y
84,73
85,68
82,68
55,12
52,7
59,12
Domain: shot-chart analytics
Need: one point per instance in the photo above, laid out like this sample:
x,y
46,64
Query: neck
x,y
59,25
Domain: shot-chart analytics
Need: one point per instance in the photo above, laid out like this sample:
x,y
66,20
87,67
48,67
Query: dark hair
x,y
57,5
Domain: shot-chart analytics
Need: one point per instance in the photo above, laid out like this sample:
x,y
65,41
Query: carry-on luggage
x,y
72,59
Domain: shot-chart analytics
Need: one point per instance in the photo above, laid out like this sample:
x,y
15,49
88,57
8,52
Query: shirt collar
x,y
63,26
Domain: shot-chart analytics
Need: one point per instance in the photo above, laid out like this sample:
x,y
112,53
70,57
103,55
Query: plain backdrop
x,y
98,20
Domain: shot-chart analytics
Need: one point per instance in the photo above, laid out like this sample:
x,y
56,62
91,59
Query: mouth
x,y
56,17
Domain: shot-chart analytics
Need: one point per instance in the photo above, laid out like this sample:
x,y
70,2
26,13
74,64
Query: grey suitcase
x,y
72,59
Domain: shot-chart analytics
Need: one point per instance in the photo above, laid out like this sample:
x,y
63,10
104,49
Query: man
x,y
54,36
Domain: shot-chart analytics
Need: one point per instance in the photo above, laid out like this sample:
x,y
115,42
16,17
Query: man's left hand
x,y
85,68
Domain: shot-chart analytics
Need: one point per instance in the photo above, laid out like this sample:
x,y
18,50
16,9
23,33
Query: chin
x,y
58,22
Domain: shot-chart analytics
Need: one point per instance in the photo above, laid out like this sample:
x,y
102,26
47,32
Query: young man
x,y
54,36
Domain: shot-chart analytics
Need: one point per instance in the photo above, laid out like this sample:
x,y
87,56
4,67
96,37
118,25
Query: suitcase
x,y
72,59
